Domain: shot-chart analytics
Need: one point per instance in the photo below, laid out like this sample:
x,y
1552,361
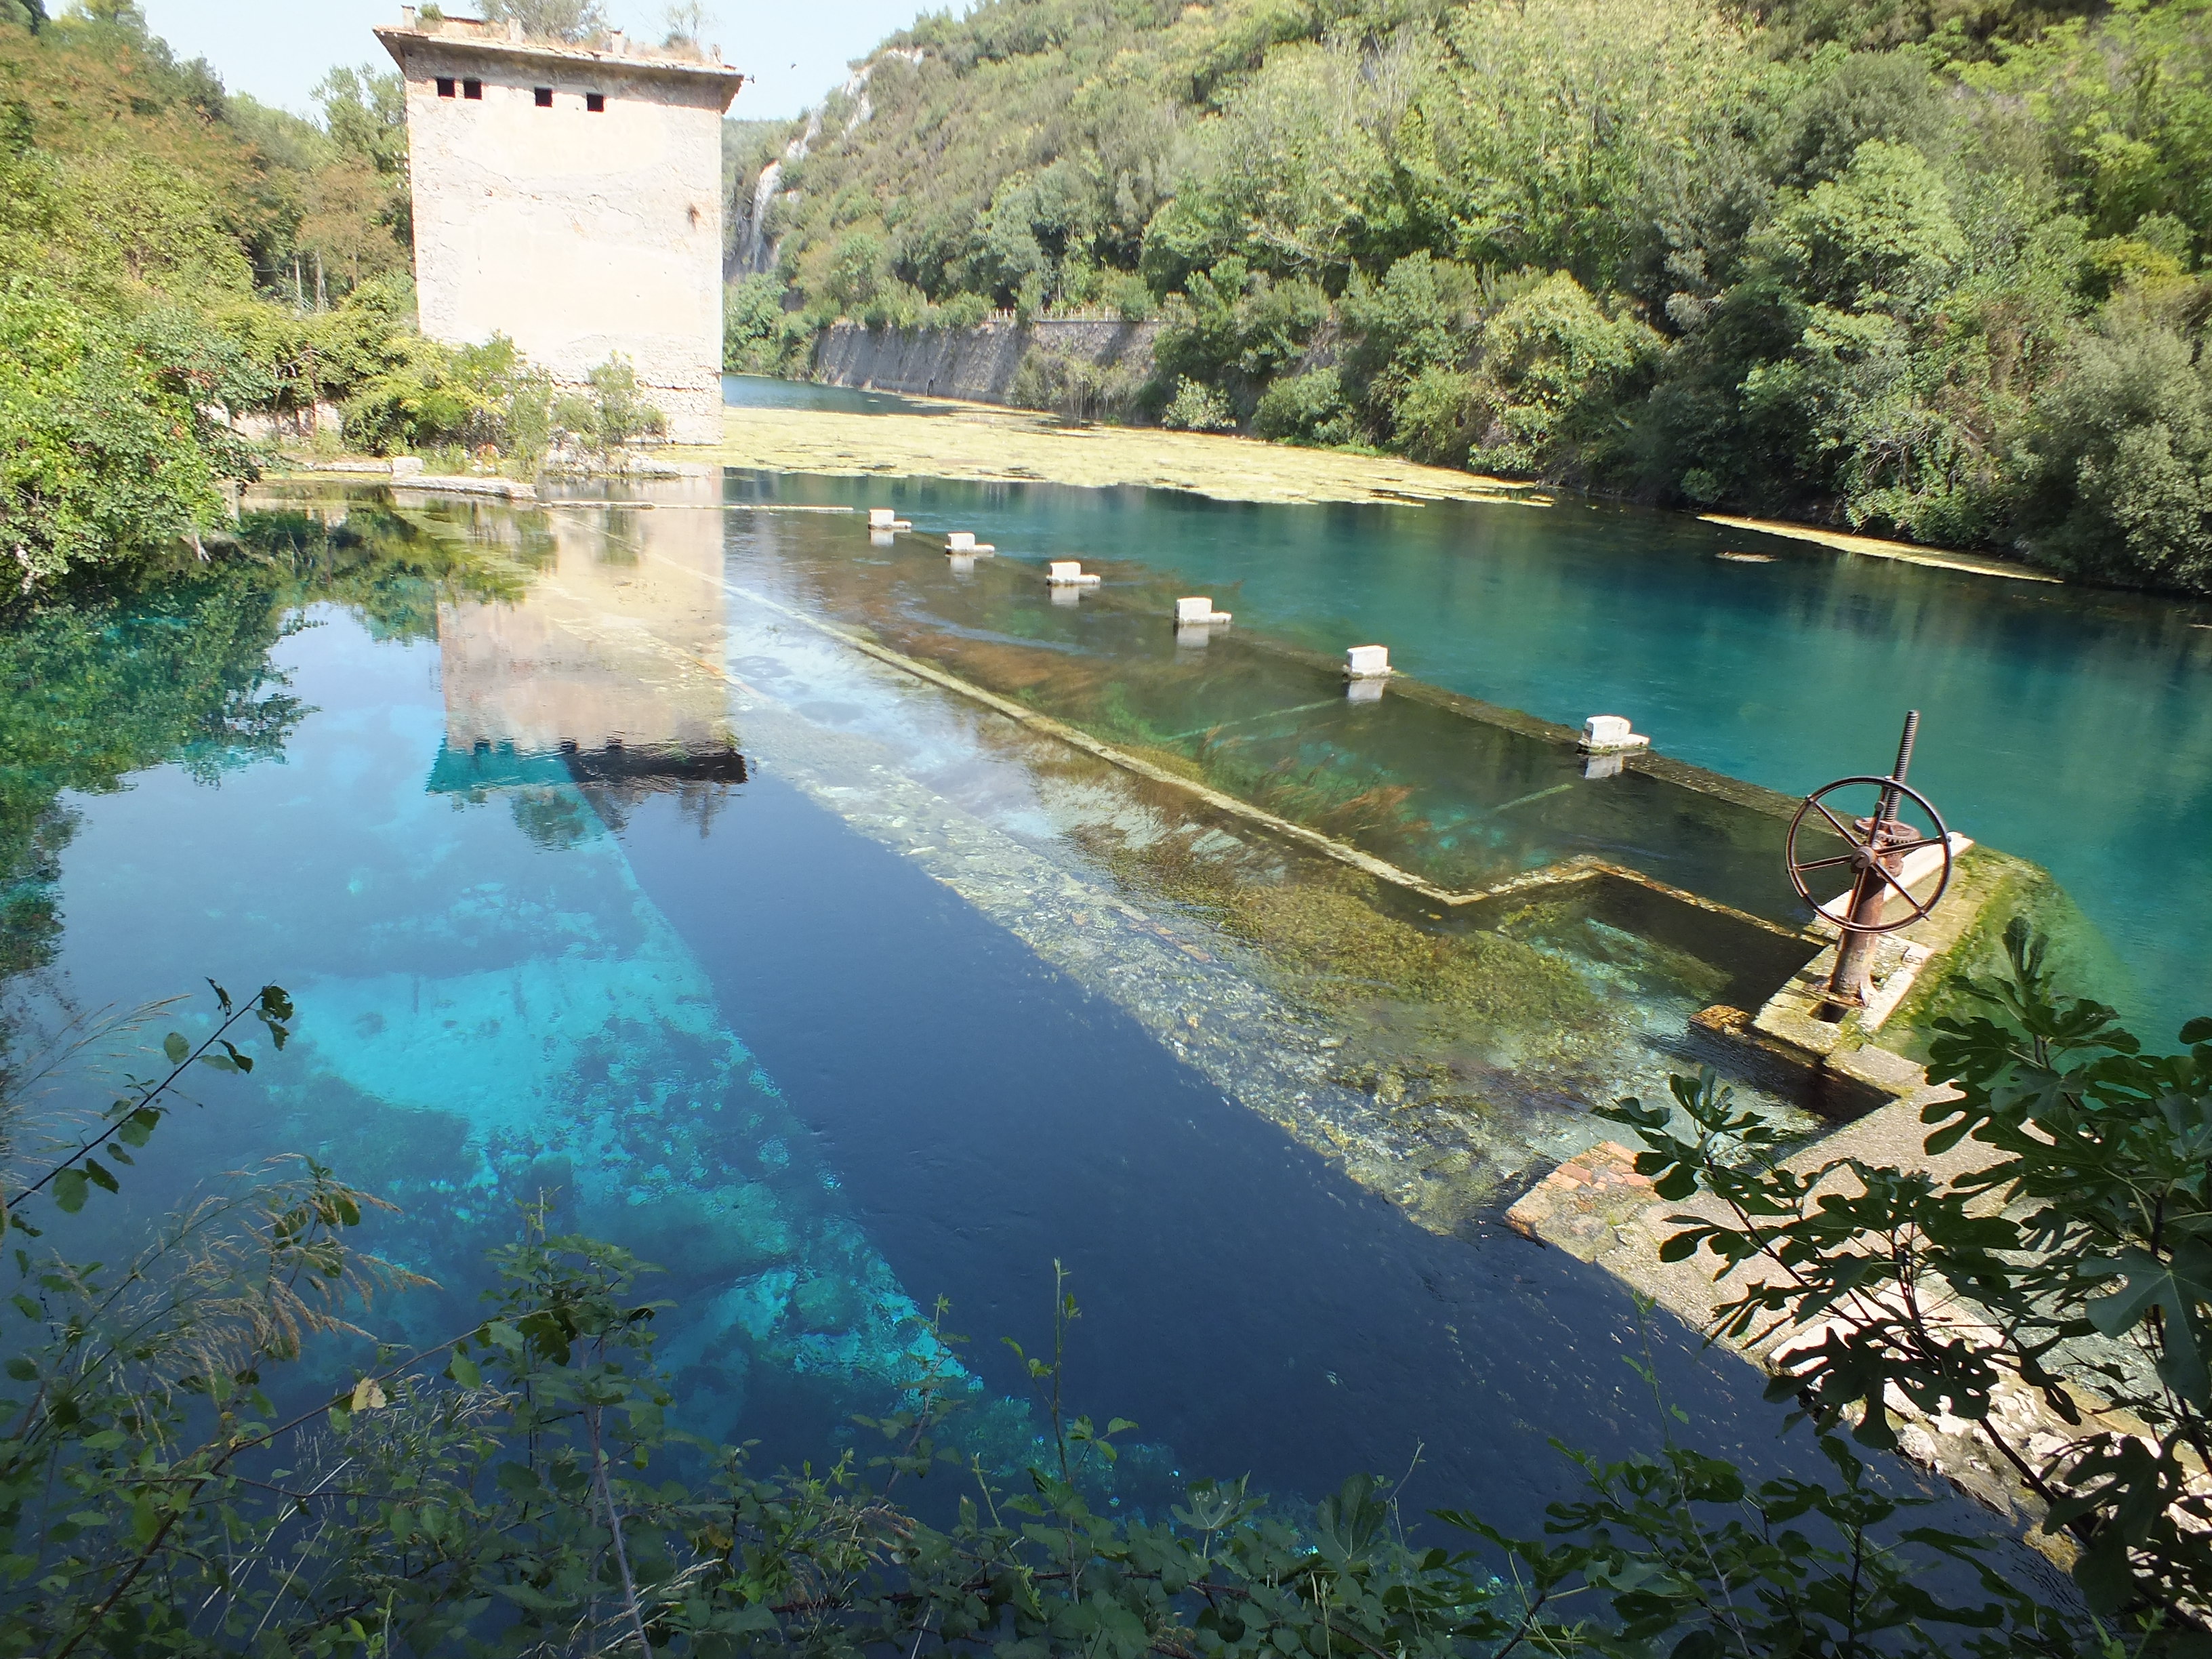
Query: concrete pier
x,y
1199,612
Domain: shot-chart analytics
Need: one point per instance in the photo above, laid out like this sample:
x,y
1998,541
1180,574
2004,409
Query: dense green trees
x,y
1928,270
172,258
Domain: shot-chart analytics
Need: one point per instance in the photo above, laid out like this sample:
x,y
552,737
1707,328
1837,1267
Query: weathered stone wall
x,y
978,364
576,232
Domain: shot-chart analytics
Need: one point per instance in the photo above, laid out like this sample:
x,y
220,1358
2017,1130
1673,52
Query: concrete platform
x,y
1597,1208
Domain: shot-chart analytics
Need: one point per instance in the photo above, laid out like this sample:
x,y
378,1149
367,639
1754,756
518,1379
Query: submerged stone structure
x,y
569,197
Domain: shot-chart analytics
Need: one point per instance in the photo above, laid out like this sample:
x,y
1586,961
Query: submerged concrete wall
x,y
978,364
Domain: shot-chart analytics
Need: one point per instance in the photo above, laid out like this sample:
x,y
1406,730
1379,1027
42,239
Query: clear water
x,y
910,1001
764,392
2069,726
881,1014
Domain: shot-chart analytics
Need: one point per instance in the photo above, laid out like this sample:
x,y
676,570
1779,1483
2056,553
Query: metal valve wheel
x,y
1876,842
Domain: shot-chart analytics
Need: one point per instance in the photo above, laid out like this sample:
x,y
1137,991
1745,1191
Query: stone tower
x,y
570,198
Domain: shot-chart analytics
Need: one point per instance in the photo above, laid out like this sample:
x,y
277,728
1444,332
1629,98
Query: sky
x,y
277,50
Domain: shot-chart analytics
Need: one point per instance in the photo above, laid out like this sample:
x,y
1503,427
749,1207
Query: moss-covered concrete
x,y
1999,887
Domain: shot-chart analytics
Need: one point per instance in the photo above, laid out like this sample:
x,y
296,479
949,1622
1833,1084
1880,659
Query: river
x,y
2065,725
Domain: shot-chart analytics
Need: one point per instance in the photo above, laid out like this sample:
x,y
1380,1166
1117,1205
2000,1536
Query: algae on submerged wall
x,y
2081,956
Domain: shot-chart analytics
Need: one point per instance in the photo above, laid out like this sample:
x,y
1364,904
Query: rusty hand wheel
x,y
1864,844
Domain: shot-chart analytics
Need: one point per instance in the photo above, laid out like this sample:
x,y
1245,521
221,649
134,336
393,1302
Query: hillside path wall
x,y
976,364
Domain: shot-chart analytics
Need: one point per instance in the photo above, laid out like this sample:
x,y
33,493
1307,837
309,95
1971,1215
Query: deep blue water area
x,y
606,885
1241,1300
820,1091
2068,726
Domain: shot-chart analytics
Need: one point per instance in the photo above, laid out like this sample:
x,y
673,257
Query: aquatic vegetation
x,y
1352,953
1631,959
1331,937
2008,889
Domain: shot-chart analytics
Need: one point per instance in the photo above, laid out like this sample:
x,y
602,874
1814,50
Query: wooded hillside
x,y
1931,270
173,256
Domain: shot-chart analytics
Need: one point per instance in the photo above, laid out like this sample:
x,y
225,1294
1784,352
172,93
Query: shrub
x,y
423,394
1076,387
962,310
754,337
1196,407
620,415
1437,416
107,448
1307,407
2122,446
1555,365
1128,295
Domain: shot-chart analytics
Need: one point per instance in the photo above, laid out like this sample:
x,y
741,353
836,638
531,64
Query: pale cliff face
x,y
577,233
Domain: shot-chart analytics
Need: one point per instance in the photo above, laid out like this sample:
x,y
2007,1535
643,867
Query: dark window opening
x,y
596,102
445,86
545,97
472,89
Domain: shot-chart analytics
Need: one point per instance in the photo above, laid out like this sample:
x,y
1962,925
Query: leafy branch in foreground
x,y
131,1119
2078,1250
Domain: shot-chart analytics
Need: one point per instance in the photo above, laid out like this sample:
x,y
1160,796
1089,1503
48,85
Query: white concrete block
x,y
1199,612
1922,863
1606,734
1366,662
960,541
882,518
1069,572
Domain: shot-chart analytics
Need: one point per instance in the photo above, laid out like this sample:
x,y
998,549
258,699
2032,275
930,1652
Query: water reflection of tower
x,y
603,672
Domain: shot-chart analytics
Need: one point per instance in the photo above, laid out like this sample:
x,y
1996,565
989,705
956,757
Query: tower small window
x,y
596,102
445,86
545,97
473,89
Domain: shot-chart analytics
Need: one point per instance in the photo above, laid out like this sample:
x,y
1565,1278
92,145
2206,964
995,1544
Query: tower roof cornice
x,y
455,40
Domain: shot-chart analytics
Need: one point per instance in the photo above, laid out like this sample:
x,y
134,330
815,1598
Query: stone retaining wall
x,y
976,364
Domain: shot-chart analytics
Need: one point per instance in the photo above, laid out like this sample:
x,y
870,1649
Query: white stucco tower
x,y
569,197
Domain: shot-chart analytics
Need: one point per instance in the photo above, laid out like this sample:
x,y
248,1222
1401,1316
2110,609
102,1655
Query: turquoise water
x,y
762,391
597,869
2069,726
595,880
